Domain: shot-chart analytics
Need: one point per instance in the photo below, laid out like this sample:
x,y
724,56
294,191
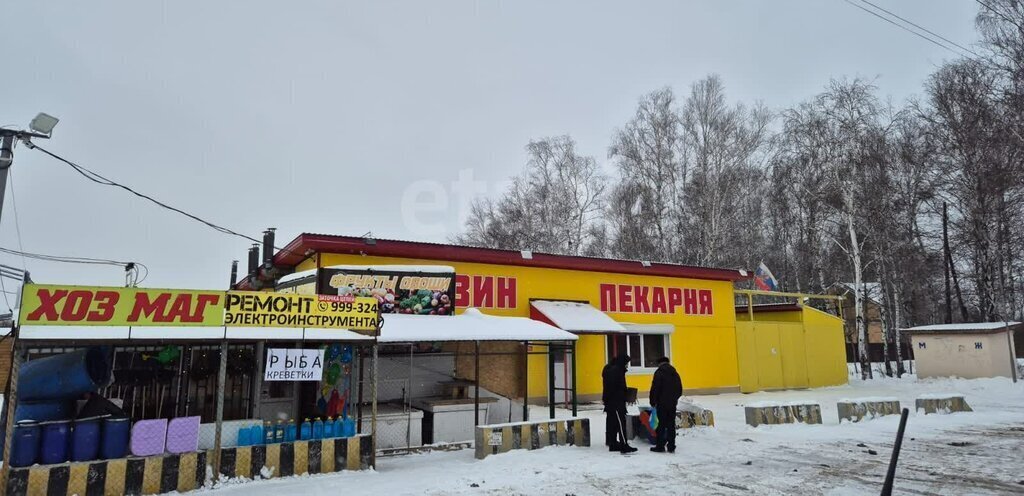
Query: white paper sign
x,y
285,364
495,438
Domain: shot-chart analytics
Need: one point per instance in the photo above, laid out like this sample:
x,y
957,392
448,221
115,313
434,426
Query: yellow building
x,y
646,309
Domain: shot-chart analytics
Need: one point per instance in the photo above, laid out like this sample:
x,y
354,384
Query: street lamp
x,y
40,127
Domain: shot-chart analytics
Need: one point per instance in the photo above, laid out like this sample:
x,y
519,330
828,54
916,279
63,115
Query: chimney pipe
x,y
254,259
234,274
268,247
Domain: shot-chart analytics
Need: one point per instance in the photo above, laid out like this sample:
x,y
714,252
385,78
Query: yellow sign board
x,y
107,306
259,309
95,306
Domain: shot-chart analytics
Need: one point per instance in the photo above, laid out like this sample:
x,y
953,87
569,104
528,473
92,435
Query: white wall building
x,y
970,350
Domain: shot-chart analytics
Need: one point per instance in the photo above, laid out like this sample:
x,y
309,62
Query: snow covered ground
x,y
963,453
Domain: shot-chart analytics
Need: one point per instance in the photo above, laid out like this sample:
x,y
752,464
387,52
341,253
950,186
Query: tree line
x,y
925,198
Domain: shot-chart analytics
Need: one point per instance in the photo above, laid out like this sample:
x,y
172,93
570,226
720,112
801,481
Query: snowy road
x,y
964,453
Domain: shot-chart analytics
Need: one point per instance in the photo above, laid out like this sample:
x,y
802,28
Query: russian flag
x,y
764,278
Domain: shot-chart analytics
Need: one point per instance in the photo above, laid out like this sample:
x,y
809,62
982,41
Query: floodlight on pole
x,y
43,123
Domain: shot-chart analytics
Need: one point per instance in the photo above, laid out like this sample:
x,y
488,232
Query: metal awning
x,y
471,325
576,317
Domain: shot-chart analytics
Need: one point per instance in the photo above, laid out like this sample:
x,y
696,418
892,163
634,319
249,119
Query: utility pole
x,y
945,262
40,127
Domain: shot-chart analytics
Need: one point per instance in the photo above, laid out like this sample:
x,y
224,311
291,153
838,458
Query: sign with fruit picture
x,y
407,292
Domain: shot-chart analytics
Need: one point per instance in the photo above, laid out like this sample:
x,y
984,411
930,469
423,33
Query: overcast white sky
x,y
321,116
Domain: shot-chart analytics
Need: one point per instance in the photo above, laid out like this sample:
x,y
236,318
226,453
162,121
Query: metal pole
x,y
891,474
551,381
1009,347
373,414
408,405
575,402
6,160
476,390
221,379
10,404
359,397
526,380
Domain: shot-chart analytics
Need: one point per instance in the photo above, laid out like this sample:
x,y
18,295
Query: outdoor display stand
x,y
170,458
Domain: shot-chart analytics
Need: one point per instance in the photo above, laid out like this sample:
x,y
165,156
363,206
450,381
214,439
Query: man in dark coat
x,y
666,388
614,398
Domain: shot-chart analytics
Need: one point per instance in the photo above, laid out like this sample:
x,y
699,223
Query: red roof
x,y
306,244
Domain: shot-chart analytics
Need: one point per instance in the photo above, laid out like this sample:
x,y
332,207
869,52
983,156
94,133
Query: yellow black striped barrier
x,y
137,476
298,458
688,419
501,438
128,476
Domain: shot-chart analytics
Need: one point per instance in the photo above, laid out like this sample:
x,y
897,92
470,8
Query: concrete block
x,y
777,413
501,438
942,404
855,410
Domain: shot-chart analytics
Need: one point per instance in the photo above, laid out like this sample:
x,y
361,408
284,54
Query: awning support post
x,y
10,405
551,381
575,402
476,390
221,378
373,417
359,394
526,380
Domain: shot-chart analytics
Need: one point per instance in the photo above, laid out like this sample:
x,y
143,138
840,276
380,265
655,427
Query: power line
x,y
96,178
64,259
922,28
911,31
17,224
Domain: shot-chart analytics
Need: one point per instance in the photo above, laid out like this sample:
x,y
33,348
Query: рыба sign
x,y
284,364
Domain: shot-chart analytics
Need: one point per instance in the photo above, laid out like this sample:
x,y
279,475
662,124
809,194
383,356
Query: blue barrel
x,y
65,376
54,440
43,411
85,439
114,442
243,437
25,441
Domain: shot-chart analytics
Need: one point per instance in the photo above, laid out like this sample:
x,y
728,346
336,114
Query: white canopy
x,y
574,316
471,325
964,327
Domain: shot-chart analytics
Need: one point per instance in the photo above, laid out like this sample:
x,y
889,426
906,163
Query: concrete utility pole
x,y
40,127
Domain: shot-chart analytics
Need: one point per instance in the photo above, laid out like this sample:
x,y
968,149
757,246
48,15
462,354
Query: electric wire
x,y
894,23
922,28
99,179
17,223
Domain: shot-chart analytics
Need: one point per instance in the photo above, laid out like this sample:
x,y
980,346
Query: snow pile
x,y
964,453
576,316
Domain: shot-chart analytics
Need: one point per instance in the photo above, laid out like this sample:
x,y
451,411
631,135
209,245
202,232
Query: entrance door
x,y
563,377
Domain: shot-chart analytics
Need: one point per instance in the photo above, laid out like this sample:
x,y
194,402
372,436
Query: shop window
x,y
644,350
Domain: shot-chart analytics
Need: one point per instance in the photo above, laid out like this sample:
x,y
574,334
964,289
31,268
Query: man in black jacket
x,y
666,388
614,398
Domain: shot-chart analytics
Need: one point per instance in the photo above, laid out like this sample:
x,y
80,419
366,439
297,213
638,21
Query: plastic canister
x,y
54,440
306,430
85,439
329,428
289,431
318,429
25,441
115,437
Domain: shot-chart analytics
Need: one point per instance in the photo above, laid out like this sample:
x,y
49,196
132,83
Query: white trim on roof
x,y
574,316
970,326
663,329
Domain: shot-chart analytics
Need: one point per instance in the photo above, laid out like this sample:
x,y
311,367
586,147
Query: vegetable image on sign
x,y
285,364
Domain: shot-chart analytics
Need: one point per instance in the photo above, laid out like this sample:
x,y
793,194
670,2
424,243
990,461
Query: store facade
x,y
645,309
